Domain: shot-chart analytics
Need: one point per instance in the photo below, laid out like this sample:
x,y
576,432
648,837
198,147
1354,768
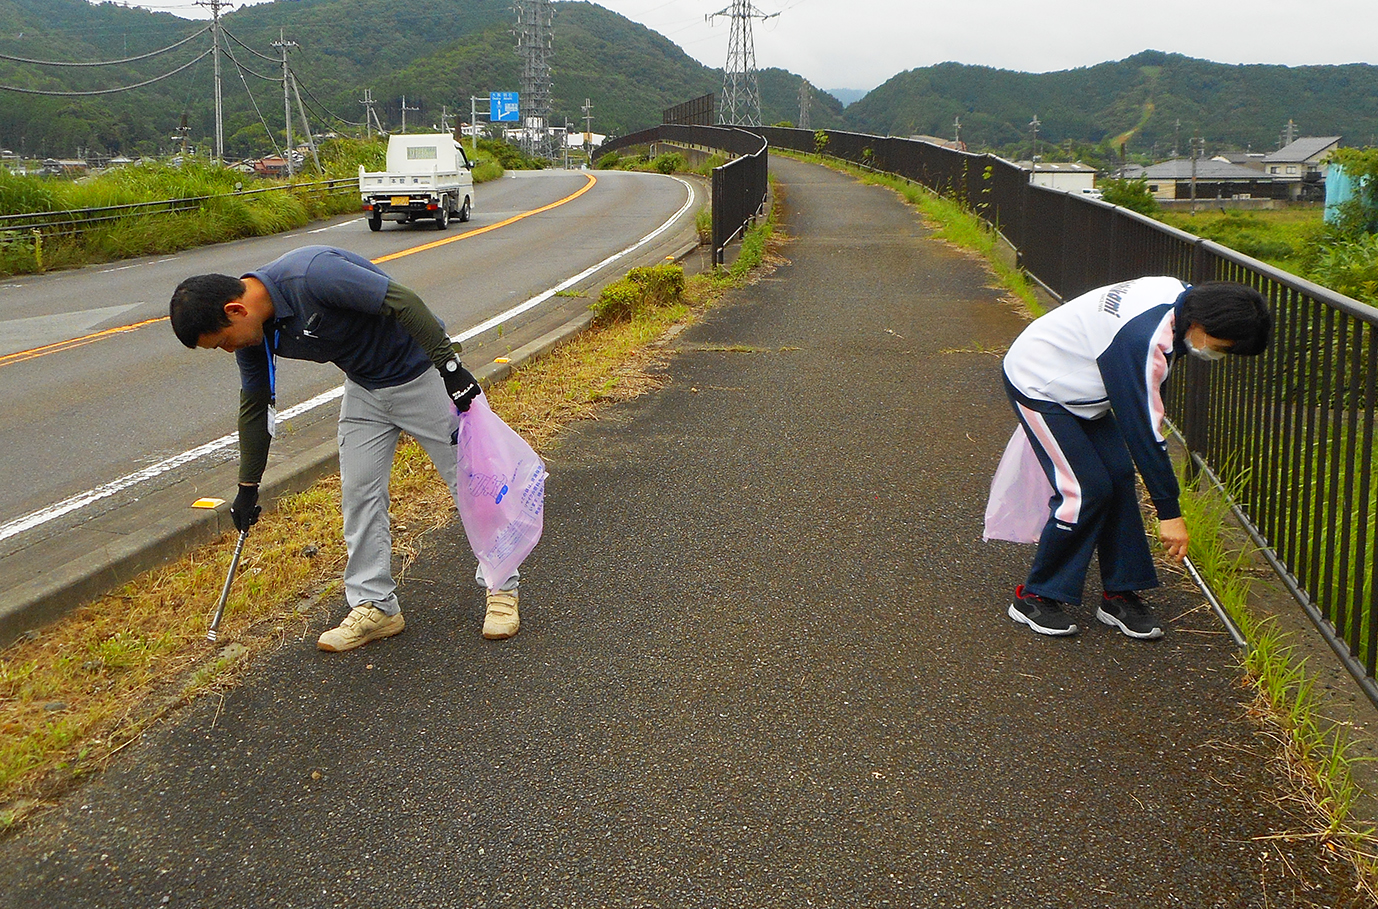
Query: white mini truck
x,y
428,178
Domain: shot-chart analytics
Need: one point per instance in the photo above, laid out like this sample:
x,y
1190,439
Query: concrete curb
x,y
47,598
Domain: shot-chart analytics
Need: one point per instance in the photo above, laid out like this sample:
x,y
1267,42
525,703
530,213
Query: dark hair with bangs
x,y
1230,311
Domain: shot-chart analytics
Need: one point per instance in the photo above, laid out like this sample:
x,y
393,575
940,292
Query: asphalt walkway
x,y
764,662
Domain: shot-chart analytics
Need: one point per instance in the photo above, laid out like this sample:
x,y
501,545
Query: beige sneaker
x,y
364,623
502,620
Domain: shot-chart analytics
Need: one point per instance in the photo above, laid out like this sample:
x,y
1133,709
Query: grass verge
x,y
76,694
1315,756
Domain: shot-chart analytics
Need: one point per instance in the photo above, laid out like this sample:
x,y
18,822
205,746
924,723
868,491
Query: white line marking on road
x,y
81,500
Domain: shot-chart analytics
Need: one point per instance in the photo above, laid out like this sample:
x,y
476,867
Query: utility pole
x,y
404,112
370,115
805,96
741,97
1194,151
306,127
215,6
1177,138
284,45
588,128
957,131
1033,156
535,40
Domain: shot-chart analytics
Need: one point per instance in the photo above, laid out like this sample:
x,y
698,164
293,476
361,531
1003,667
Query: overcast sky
x,y
859,44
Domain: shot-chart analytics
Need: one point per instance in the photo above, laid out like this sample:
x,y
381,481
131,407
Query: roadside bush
x,y
487,170
643,288
510,156
662,285
1131,194
668,163
1350,268
608,161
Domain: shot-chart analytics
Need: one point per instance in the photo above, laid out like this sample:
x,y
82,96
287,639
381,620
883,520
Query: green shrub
x,y
487,170
662,285
643,288
1350,268
668,163
1131,194
619,301
608,161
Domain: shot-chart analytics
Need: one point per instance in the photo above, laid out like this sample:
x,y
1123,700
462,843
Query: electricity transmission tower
x,y
535,38
741,98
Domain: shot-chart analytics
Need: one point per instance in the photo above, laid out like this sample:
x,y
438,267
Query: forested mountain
x,y
1138,100
436,54
439,53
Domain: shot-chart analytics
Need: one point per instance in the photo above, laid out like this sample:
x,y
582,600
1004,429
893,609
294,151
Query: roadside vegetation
x,y
665,163
74,694
1316,755
231,208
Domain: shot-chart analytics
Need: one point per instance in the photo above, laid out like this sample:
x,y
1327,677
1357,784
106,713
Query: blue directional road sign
x,y
503,108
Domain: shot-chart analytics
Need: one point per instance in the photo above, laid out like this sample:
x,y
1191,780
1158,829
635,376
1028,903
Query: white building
x,y
1068,177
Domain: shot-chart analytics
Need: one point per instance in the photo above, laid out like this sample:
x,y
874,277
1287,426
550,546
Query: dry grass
x,y
73,696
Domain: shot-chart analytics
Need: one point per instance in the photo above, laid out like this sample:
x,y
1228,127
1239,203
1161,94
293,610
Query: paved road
x,y
764,662
100,410
112,429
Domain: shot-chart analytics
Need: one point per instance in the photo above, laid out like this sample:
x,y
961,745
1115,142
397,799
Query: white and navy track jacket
x,y
1109,350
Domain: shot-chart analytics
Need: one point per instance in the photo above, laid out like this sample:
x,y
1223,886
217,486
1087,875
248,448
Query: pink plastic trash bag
x,y
1019,494
501,492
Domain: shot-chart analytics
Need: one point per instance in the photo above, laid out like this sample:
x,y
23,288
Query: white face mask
x,y
1208,354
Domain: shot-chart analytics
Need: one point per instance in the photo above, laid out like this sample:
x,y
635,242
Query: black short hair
x,y
198,305
1233,312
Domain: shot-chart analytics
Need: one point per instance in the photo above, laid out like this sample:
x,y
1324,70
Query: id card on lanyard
x,y
272,384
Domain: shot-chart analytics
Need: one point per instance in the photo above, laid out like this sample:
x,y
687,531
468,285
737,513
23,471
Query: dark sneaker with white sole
x,y
1130,614
1043,615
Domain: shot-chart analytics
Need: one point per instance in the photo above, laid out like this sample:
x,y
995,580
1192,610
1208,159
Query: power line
x,y
236,40
108,62
108,91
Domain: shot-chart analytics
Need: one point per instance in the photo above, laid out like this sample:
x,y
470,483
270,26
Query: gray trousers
x,y
370,422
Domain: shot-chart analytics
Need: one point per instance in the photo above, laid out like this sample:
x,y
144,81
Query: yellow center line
x,y
59,346
483,230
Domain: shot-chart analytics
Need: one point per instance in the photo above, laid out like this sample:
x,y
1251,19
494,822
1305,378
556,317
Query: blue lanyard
x,y
272,371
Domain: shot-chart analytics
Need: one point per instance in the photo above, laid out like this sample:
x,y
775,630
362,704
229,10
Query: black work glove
x,y
460,384
245,509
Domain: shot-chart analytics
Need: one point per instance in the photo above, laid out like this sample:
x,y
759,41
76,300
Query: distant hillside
x,y
1139,99
847,95
437,55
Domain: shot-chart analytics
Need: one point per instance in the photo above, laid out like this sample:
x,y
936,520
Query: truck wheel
x,y
442,216
375,221
464,211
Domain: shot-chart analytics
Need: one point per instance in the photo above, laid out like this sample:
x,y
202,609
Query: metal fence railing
x,y
740,186
72,222
1291,434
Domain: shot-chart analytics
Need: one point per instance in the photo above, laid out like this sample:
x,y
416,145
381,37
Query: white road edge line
x,y
81,500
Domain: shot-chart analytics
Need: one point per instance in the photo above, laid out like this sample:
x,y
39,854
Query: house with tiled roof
x,y
1215,179
1300,165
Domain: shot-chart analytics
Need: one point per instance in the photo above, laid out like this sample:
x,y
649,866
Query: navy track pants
x,y
1094,507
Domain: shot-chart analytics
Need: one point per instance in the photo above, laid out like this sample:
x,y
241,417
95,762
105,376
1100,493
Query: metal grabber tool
x,y
229,579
